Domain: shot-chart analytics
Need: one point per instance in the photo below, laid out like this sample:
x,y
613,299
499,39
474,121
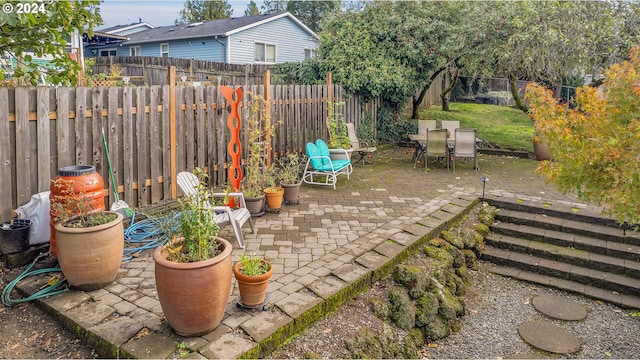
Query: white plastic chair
x,y
362,147
225,215
465,146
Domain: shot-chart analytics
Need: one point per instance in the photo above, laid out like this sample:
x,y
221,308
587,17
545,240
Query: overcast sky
x,y
156,12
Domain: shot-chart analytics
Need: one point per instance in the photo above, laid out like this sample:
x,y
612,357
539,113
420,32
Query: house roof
x,y
119,28
222,27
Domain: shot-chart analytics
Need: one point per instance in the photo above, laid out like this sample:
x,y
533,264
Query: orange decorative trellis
x,y
234,147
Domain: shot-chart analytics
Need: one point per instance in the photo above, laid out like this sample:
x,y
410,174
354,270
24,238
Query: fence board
x,y
6,191
128,130
220,121
43,133
166,144
180,130
63,135
23,140
142,144
201,134
190,127
155,145
210,99
112,130
96,130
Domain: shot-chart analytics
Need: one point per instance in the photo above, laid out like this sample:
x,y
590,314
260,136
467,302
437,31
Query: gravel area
x,y
496,306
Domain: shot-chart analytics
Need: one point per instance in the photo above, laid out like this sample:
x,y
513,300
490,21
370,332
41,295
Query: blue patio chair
x,y
320,164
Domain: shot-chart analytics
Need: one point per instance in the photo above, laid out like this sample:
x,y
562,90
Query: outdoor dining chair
x,y
465,146
436,147
225,215
451,126
363,148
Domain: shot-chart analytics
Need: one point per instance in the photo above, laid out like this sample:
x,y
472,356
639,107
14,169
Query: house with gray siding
x,y
260,39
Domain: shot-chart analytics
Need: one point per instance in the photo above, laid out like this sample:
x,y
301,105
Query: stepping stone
x,y
548,337
559,308
530,355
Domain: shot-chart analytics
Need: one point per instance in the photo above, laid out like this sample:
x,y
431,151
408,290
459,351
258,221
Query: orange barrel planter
x,y
75,183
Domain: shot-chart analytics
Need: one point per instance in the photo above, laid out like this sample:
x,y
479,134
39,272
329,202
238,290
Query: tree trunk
x,y
513,86
415,114
447,85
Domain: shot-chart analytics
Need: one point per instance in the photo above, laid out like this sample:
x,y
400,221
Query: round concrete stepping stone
x,y
560,308
548,337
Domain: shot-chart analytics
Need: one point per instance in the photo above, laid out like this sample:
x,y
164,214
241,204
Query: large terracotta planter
x,y
194,295
291,193
253,289
90,257
274,197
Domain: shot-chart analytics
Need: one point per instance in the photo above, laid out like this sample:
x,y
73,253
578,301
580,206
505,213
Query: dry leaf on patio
x,y
432,345
326,331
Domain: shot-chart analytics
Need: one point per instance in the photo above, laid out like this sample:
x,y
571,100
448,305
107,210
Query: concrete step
x,y
534,264
548,222
622,300
567,255
566,239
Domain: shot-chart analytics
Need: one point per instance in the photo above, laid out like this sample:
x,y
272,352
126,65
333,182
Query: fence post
x,y
267,100
329,87
172,130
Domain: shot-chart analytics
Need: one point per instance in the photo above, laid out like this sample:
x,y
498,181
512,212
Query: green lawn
x,y
504,127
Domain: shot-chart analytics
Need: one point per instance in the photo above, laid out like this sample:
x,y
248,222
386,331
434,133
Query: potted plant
x,y
258,127
288,170
89,243
273,193
193,271
252,273
339,142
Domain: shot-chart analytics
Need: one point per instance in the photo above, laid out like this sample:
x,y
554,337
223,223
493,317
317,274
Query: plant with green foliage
x,y
594,144
337,127
45,32
204,10
253,265
287,169
197,225
258,126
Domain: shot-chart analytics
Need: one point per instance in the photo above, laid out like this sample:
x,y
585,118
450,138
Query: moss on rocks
x,y
450,306
403,311
365,345
439,254
437,329
456,285
413,278
463,273
470,259
380,308
412,344
453,239
487,214
482,229
426,309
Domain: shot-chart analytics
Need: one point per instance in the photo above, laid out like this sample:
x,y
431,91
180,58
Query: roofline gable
x,y
279,16
130,26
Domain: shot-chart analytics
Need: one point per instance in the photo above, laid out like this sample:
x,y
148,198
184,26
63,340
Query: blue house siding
x,y
290,41
211,50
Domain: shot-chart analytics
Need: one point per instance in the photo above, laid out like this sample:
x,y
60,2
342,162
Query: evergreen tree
x,y
252,9
202,10
274,6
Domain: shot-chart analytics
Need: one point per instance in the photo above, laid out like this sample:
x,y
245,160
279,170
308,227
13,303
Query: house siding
x,y
211,50
290,41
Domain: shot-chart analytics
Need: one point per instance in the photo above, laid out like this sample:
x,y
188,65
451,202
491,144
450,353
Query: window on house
x,y
109,52
265,53
134,51
164,50
309,53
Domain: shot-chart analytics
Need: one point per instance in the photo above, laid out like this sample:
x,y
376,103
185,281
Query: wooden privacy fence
x,y
43,129
155,70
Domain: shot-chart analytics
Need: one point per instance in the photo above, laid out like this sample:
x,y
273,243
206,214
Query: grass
x,y
503,127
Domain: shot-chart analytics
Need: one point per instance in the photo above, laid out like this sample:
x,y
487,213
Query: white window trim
x,y
312,51
137,48
161,53
108,51
275,52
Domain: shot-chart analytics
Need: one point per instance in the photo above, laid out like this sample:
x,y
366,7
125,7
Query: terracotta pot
x,y
253,289
90,257
291,192
274,197
541,151
194,295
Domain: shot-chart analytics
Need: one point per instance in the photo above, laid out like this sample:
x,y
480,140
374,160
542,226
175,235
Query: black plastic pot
x,y
14,236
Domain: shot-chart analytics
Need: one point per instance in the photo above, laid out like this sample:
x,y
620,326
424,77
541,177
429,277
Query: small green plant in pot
x,y
252,273
337,127
193,272
288,171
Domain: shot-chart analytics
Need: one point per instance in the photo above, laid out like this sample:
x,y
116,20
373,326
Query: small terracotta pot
x,y
274,197
253,289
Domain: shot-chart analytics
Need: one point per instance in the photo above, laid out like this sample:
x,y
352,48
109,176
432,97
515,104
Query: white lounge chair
x,y
225,215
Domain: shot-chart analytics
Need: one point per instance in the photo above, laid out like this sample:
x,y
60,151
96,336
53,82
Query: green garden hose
x,y
55,286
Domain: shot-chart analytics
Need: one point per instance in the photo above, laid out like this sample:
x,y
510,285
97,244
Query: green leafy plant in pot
x,y
337,127
193,271
253,274
288,170
89,243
